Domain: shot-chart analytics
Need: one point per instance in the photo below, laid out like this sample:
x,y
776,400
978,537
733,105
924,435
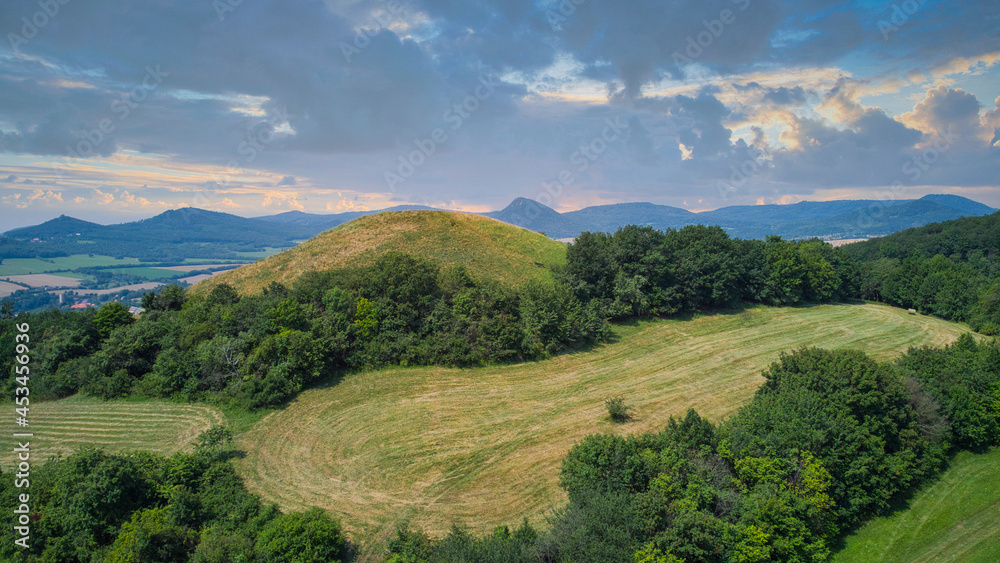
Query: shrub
x,y
618,409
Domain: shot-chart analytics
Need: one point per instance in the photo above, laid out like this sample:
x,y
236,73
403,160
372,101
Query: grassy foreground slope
x,y
956,518
482,447
490,249
64,426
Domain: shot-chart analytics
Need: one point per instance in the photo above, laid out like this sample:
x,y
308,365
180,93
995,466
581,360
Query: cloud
x,y
267,88
278,200
103,198
945,110
36,197
130,200
45,196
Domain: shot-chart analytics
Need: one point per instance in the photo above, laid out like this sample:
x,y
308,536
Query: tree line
x,y
640,271
260,350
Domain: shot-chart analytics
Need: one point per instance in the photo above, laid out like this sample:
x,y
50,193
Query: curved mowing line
x,y
482,446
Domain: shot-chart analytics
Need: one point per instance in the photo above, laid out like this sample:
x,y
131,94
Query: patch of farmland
x,y
61,427
44,280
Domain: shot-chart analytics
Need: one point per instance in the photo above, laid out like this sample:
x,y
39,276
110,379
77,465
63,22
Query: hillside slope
x,y
958,238
956,518
481,447
489,248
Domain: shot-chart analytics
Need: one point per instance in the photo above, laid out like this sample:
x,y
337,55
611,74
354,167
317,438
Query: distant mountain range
x,y
831,220
192,233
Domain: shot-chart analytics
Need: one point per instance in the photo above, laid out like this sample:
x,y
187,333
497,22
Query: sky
x,y
114,111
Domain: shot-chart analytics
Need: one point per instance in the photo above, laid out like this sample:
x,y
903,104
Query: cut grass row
x,y
482,447
62,427
956,518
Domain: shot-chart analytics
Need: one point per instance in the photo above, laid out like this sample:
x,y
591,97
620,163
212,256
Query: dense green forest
x,y
642,271
949,269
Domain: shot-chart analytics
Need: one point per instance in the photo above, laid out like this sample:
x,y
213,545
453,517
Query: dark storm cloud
x,y
701,120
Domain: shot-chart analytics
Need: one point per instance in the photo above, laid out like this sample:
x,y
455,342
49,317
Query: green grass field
x,y
482,446
148,273
61,427
17,266
956,518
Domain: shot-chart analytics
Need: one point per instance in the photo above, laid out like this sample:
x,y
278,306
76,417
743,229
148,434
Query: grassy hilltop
x,y
490,249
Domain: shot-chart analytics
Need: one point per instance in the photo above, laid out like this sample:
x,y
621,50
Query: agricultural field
x,y
61,427
482,446
62,272
19,266
956,518
151,273
6,288
46,280
131,287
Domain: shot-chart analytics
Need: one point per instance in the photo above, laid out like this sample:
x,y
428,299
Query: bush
x,y
618,409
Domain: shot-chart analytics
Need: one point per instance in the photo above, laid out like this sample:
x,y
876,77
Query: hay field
x,y
482,446
64,426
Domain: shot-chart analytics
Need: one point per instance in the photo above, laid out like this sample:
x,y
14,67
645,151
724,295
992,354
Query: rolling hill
x,y
172,235
487,247
959,238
